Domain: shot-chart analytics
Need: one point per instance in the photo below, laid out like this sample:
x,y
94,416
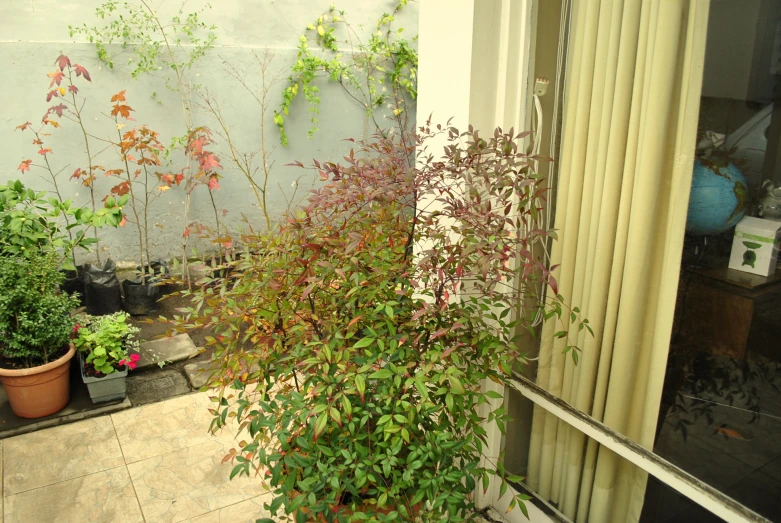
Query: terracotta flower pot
x,y
39,391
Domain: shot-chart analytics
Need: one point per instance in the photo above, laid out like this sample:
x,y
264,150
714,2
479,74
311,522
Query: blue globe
x,y
718,200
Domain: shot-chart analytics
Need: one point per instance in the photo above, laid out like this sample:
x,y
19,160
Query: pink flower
x,y
130,362
76,328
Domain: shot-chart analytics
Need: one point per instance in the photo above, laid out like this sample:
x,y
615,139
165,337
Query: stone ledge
x,y
166,350
198,373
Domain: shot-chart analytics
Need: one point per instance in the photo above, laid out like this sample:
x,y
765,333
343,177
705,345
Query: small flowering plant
x,y
107,343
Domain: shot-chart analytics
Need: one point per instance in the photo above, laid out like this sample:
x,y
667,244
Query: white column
x,y
445,61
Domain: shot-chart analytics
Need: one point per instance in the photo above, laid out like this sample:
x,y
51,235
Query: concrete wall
x,y
34,32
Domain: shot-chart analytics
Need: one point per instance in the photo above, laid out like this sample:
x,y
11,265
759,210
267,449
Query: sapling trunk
x,y
59,197
134,206
91,186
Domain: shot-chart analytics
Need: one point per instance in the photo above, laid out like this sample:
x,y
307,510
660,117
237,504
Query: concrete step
x,y
166,350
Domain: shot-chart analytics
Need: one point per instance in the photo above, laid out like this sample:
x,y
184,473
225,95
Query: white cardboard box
x,y
755,246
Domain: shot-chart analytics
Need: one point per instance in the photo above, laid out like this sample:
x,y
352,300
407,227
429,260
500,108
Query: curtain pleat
x,y
632,88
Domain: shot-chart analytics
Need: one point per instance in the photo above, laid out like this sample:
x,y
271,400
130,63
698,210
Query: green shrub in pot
x,y
37,238
35,319
356,345
35,330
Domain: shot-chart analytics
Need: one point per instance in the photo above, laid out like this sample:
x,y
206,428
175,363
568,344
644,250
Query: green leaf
x,y
381,374
348,407
363,342
238,468
360,384
335,415
455,383
322,421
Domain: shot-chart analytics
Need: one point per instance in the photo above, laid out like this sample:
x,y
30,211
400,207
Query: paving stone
x,y
166,350
198,373
153,386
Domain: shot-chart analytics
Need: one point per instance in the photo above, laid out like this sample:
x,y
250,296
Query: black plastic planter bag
x,y
162,276
141,298
74,283
102,294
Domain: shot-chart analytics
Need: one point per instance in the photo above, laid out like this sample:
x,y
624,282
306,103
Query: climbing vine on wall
x,y
379,73
155,43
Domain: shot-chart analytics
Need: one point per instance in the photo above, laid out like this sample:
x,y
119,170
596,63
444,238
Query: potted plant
x,y
35,319
356,344
108,348
35,327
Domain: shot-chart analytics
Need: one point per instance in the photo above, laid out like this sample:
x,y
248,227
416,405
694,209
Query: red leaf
x,y
76,173
186,233
62,62
24,126
213,184
124,221
58,109
52,94
25,165
119,97
179,177
553,285
439,333
209,162
80,71
73,89
56,77
121,189
43,152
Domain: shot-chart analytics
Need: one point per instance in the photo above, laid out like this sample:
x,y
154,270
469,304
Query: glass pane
x,y
720,413
721,407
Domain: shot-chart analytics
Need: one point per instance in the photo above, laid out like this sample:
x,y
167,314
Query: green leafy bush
x,y
31,222
106,342
355,345
35,320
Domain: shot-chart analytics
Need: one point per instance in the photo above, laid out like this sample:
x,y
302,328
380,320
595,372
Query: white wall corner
x,y
445,61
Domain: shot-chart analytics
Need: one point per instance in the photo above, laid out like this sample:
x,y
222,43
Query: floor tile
x,y
103,497
700,459
663,503
773,469
755,442
60,453
760,493
245,512
190,482
696,514
160,428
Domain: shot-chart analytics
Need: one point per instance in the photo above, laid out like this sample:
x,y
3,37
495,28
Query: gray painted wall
x,y
34,32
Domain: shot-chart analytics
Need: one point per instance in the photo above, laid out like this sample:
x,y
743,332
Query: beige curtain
x,y
632,89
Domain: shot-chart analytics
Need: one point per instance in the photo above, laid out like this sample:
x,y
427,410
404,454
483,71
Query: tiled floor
x,y
155,463
730,448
